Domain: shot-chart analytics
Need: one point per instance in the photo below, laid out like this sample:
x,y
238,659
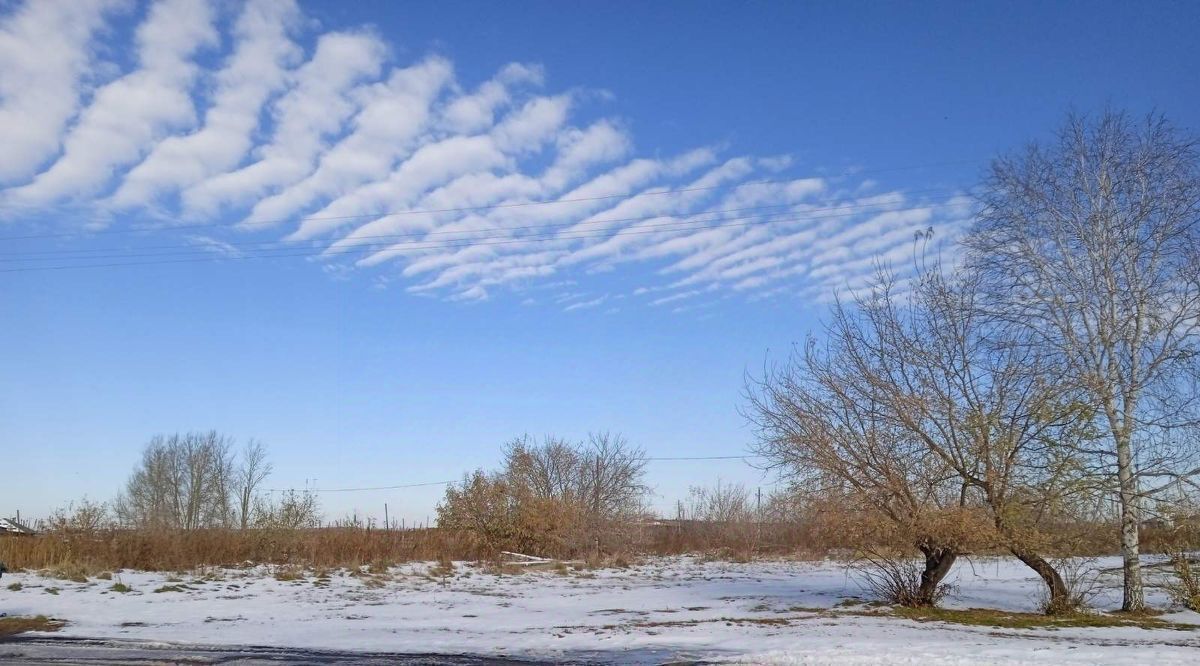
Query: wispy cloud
x,y
322,141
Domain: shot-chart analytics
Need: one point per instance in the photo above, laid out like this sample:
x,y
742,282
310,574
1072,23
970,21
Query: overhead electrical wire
x,y
200,255
481,234
443,483
439,232
467,209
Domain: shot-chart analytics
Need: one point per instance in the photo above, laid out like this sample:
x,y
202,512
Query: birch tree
x,y
1092,243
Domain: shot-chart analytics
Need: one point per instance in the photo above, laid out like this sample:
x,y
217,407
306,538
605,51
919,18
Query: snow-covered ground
x,y
777,612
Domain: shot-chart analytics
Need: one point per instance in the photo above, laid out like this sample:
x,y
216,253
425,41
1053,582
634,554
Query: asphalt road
x,y
107,652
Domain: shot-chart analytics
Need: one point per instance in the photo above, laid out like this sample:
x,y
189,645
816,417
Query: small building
x,y
10,527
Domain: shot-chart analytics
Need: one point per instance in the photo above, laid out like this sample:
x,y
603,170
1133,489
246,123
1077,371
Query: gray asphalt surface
x,y
107,652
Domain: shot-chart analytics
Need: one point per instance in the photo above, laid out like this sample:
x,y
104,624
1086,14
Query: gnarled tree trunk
x,y
938,561
1059,596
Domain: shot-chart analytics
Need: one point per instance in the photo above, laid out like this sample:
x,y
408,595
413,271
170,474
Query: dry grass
x,y
76,557
11,626
986,617
71,571
171,588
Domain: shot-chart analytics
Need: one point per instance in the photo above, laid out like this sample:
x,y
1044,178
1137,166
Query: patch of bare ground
x,y
11,626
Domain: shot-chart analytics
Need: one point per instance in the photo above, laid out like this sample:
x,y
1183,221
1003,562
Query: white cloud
x,y
588,304
394,114
128,115
398,171
536,122
45,51
580,150
473,113
315,108
430,166
263,50
435,165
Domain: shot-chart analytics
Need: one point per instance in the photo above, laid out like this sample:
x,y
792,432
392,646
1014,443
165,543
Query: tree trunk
x,y
1059,596
937,564
1132,599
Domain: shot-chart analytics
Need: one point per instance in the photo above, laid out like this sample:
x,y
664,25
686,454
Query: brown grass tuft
x,y
11,626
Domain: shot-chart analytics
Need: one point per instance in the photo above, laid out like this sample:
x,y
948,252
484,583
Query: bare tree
x,y
550,497
924,400
1092,242
550,470
604,475
182,482
989,405
822,426
83,518
295,509
255,468
611,476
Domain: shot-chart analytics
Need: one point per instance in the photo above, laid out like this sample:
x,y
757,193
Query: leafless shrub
x,y
722,517
723,504
1176,534
1184,588
1081,580
291,511
893,578
83,518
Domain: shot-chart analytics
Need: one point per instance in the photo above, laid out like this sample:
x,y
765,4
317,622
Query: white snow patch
x,y
667,608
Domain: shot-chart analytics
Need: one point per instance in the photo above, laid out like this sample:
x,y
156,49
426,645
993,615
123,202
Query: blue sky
x,y
716,170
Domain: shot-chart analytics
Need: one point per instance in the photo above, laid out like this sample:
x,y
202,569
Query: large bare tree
x,y
182,482
989,405
823,428
921,398
1092,242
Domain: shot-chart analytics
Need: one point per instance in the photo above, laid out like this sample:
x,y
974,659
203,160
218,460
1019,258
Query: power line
x,y
484,234
706,458
467,209
351,490
681,225
440,232
443,483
